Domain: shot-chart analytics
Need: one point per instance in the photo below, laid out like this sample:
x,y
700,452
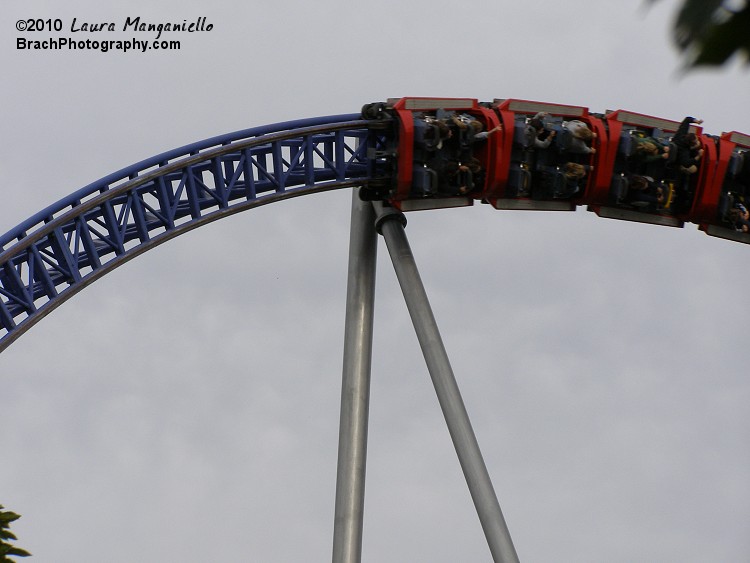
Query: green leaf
x,y
694,20
6,549
724,40
8,517
18,552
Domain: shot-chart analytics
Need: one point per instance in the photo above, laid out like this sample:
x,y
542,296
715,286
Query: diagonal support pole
x,y
355,386
390,223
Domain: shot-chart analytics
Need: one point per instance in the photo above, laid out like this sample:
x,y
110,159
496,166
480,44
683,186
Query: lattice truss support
x,y
62,249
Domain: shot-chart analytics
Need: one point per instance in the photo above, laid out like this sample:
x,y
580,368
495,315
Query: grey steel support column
x,y
355,386
390,223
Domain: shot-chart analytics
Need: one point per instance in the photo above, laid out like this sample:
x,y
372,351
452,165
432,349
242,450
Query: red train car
x,y
522,154
639,147
541,147
727,191
448,151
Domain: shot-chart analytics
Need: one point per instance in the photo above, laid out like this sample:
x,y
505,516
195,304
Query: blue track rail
x,y
62,249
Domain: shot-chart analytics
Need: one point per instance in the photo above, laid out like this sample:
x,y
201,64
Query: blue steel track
x,y
53,255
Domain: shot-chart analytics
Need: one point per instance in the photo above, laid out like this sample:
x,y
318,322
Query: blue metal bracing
x,y
54,254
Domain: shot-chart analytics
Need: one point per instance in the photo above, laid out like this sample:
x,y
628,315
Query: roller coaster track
x,y
53,255
56,253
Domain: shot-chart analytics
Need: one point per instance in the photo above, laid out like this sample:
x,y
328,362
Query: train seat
x,y
519,181
626,145
426,134
552,182
519,133
673,150
424,181
726,201
736,162
460,182
562,139
618,189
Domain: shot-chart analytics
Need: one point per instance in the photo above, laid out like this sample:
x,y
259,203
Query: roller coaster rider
x,y
688,145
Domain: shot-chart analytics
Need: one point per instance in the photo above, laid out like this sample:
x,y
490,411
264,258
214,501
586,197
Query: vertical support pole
x,y
355,387
390,223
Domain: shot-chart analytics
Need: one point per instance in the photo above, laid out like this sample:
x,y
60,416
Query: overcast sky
x,y
185,407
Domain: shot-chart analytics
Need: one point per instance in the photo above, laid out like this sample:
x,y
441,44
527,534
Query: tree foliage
x,y
710,32
6,549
